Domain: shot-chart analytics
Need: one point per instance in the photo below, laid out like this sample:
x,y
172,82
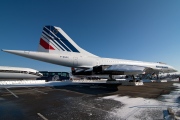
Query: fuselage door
x,y
97,62
75,61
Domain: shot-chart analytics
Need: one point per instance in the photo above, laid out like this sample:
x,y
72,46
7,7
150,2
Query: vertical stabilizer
x,y
54,40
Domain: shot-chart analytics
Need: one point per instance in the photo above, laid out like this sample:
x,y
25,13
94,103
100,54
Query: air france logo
x,y
161,67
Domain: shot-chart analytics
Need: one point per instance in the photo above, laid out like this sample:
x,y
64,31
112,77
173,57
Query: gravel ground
x,y
71,102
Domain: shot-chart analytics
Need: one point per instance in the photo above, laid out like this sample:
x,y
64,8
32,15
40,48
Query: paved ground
x,y
148,90
70,102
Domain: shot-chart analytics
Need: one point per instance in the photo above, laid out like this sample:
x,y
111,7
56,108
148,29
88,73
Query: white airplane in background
x,y
18,73
58,48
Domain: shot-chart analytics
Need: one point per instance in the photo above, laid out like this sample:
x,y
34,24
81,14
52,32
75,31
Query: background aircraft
x,y
18,73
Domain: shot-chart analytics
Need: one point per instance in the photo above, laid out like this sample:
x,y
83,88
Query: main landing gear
x,y
130,78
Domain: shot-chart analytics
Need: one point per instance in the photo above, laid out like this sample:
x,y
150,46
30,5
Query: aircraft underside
x,y
101,70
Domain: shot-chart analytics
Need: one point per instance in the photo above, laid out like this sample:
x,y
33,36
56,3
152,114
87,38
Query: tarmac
x,y
75,102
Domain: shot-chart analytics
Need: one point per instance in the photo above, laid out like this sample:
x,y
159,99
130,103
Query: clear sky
x,y
145,30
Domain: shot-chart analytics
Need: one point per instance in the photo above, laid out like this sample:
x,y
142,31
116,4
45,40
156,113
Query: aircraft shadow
x,y
90,89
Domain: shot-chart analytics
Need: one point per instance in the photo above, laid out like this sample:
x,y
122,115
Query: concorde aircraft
x,y
57,47
18,73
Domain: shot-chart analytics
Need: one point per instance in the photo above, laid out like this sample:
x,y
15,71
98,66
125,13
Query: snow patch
x,y
142,108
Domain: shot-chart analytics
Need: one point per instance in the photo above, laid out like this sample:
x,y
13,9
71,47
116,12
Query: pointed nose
x,y
173,69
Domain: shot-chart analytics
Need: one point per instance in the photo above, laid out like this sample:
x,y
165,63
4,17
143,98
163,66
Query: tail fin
x,y
54,39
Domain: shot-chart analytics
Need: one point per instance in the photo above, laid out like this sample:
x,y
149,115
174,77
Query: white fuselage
x,y
79,60
82,61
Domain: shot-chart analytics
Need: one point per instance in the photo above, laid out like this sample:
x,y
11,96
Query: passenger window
x,y
52,73
63,74
67,75
45,74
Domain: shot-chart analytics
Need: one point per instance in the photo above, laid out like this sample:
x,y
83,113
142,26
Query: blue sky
x,y
145,30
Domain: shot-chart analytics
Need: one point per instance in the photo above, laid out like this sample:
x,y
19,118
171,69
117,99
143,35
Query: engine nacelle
x,y
100,69
79,71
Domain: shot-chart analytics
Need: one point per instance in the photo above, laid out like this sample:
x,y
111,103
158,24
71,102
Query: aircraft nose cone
x,y
174,70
